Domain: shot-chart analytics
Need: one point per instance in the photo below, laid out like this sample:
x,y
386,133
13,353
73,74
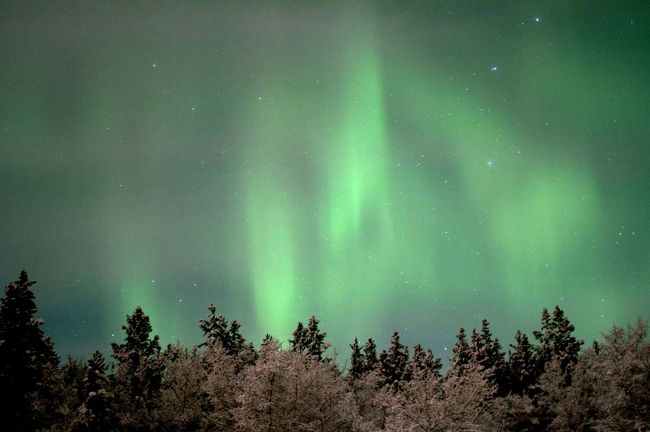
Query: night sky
x,y
413,166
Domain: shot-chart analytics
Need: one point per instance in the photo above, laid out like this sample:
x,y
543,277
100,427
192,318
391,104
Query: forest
x,y
547,381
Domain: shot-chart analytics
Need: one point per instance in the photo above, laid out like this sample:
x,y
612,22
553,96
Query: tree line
x,y
543,383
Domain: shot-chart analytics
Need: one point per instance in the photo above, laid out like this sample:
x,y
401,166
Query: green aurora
x,y
411,166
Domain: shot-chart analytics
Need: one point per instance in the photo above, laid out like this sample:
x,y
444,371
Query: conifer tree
x,y
486,352
521,365
27,359
97,411
461,354
309,339
215,328
566,347
424,363
356,361
237,341
267,339
544,336
72,374
298,340
556,342
139,372
393,362
370,361
315,339
476,348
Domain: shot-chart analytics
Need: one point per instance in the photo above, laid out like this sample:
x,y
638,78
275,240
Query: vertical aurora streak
x,y
270,217
359,233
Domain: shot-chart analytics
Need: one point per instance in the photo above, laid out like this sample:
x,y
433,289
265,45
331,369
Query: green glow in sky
x,y
411,166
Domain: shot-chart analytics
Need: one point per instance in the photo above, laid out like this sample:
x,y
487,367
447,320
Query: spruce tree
x,y
27,359
356,361
73,373
266,340
557,343
424,364
310,339
237,341
315,344
298,340
544,336
393,362
486,351
139,372
97,411
461,354
477,349
215,329
521,365
370,361
566,347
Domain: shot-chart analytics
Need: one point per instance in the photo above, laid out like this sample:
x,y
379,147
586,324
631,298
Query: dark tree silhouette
x,y
27,359
215,330
485,350
228,386
521,365
297,341
356,361
424,364
139,372
461,354
370,361
393,361
309,339
556,342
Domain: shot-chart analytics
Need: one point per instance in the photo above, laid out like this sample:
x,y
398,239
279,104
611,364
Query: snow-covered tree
x,y
182,396
222,385
97,411
610,388
292,391
460,402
